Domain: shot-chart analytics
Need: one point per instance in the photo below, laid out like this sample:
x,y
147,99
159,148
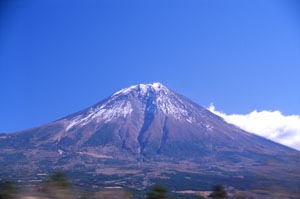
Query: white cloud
x,y
284,129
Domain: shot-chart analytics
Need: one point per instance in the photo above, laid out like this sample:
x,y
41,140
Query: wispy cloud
x,y
284,129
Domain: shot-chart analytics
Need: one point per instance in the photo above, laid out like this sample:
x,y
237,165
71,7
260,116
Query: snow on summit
x,y
142,88
137,98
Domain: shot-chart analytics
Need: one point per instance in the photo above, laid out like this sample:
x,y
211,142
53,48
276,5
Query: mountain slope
x,y
150,126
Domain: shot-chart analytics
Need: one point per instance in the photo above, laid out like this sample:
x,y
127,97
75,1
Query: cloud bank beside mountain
x,y
284,129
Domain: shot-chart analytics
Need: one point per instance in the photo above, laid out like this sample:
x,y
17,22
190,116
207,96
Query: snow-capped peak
x,y
138,98
158,86
143,88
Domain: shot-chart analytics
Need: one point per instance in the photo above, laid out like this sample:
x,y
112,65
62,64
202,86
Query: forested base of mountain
x,y
178,186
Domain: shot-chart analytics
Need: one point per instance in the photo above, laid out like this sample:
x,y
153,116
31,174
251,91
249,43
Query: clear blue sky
x,y
60,56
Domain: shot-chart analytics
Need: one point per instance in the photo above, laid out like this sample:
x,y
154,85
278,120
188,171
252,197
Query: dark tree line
x,y
8,190
58,186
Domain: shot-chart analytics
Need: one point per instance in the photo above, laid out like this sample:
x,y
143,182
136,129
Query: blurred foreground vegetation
x,y
58,186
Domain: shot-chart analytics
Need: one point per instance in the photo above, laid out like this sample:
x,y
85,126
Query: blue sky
x,y
58,57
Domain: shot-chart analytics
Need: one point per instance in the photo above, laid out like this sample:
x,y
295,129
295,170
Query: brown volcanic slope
x,y
147,133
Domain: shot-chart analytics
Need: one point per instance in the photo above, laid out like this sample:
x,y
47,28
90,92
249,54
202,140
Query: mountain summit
x,y
145,118
148,99
150,119
148,127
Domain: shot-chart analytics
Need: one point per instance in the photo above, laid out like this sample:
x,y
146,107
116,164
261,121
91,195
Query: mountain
x,y
147,133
